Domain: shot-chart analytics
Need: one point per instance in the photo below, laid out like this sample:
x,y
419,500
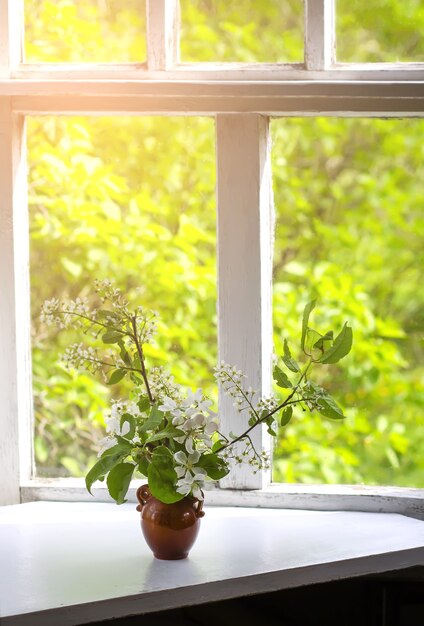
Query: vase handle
x,y
143,494
198,508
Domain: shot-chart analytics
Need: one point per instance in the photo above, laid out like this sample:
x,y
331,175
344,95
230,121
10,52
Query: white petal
x,y
193,457
183,488
125,429
181,457
198,395
203,406
210,428
198,419
112,425
105,444
197,493
180,471
178,420
200,473
189,445
187,426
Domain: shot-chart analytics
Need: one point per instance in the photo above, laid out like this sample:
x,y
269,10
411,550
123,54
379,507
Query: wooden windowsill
x,y
72,563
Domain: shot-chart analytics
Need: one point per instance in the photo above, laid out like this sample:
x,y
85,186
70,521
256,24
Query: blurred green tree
x,y
133,199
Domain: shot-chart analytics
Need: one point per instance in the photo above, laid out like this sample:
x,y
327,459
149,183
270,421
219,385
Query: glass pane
x,y
350,230
245,31
380,30
94,31
132,200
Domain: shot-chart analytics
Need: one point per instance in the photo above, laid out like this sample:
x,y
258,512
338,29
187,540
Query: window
x,y
242,95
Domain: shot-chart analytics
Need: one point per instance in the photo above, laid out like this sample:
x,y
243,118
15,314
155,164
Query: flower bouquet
x,y
169,434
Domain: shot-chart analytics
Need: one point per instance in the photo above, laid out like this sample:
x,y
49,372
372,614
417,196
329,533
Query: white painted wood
x,y
319,34
284,107
245,241
15,379
163,29
215,89
388,72
402,500
213,97
96,565
11,35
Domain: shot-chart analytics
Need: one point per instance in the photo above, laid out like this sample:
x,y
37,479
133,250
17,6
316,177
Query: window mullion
x,y
11,36
319,34
163,31
15,368
245,237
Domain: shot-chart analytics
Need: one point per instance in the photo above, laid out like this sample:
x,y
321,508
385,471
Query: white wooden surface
x,y
14,306
264,72
11,36
402,500
319,34
209,97
163,29
74,563
15,379
245,244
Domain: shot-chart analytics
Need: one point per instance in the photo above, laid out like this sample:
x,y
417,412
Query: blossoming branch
x,y
167,433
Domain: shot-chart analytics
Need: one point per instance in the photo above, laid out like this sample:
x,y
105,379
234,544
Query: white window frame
x,y
242,98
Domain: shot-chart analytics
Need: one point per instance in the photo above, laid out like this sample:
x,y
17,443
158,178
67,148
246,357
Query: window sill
x,y
406,501
72,563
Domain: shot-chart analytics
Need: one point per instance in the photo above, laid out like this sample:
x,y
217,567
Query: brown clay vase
x,y
170,530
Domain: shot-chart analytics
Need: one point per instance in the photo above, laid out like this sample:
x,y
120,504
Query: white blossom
x,y
105,444
191,484
113,426
169,405
187,463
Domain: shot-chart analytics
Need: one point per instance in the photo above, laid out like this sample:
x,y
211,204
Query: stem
x,y
121,367
287,401
141,356
241,390
94,321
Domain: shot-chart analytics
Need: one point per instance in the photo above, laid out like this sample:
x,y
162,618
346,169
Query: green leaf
x,y
291,364
271,431
143,403
281,378
214,466
270,422
170,432
123,448
162,477
286,415
153,421
143,466
340,348
116,376
101,468
126,417
124,354
218,445
305,319
329,408
312,338
103,314
111,336
320,344
118,481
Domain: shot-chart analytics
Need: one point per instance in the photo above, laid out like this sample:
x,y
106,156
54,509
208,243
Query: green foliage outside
x,y
133,199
